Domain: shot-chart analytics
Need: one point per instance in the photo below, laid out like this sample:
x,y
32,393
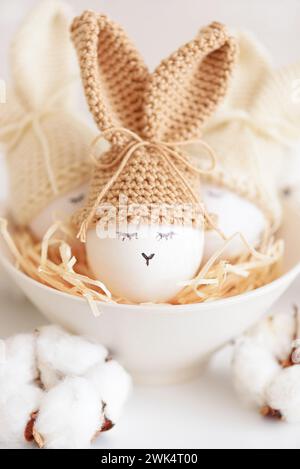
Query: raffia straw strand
x,y
218,281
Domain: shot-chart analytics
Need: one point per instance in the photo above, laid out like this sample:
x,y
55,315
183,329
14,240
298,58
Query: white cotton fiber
x,y
70,415
113,385
60,354
77,380
283,394
276,334
253,367
15,412
17,361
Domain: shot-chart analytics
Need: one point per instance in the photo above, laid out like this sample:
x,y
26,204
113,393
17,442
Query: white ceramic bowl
x,y
164,344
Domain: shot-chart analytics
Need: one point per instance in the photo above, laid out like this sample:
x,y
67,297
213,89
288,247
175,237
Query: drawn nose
x,y
147,258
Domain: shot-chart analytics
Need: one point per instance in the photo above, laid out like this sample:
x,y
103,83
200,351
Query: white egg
x,y
59,209
146,263
235,214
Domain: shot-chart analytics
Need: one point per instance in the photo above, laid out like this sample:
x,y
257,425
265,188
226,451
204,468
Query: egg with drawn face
x,y
60,209
146,263
234,214
147,163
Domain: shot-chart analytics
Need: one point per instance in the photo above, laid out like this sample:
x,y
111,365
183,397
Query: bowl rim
x,y
288,277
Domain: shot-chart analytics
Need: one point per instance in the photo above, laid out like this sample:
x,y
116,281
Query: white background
x,y
204,413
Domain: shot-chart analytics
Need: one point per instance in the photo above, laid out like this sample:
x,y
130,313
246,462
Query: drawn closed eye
x,y
166,236
78,199
127,236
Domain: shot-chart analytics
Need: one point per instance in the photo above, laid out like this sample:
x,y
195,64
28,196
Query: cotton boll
x,y
253,367
283,394
70,415
234,215
145,263
16,408
60,354
59,209
17,363
276,334
113,385
49,377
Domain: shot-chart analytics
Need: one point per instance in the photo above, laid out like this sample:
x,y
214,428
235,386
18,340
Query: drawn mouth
x,y
147,258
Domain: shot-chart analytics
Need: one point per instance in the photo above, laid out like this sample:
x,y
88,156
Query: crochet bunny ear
x,y
252,72
113,73
39,74
187,87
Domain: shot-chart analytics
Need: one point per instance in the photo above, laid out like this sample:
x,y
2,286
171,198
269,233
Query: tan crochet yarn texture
x,y
252,129
147,117
46,143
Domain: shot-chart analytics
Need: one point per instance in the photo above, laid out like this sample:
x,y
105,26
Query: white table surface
x,y
201,414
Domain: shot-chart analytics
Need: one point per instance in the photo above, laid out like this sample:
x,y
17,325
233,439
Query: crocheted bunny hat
x,y
250,131
143,115
46,143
